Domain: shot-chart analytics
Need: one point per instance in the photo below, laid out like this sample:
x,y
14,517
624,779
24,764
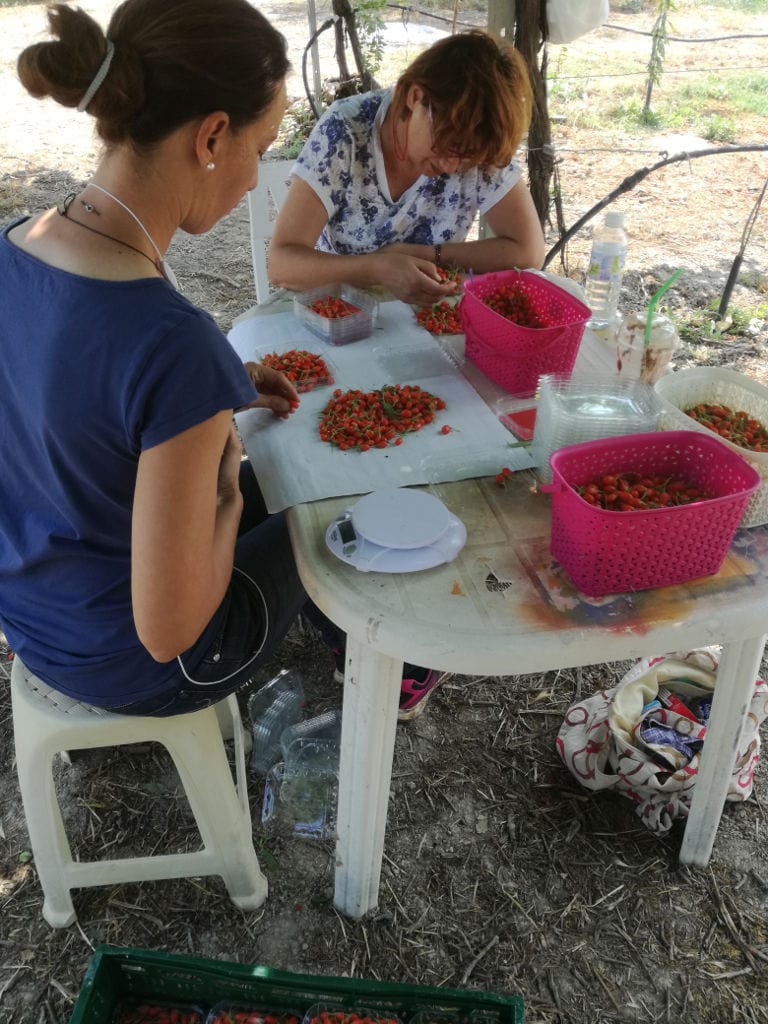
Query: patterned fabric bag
x,y
643,737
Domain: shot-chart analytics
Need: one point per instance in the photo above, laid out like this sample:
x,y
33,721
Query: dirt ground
x,y
500,873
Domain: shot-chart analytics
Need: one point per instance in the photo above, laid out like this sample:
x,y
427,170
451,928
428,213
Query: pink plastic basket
x,y
608,552
514,356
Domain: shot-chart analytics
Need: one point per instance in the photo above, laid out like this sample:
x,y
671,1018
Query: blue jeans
x,y
264,597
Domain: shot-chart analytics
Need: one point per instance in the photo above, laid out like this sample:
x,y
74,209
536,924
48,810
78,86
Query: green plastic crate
x,y
115,974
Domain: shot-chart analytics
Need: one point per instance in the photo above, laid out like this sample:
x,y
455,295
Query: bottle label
x,y
606,264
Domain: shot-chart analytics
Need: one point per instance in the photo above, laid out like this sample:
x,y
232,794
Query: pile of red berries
x,y
449,274
514,303
331,307
305,370
350,1017
235,1015
442,318
156,1013
375,419
632,492
737,427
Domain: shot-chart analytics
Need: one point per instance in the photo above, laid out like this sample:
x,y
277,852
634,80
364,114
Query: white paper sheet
x,y
293,465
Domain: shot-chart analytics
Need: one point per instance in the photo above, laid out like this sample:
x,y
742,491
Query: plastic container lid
x,y
614,219
400,518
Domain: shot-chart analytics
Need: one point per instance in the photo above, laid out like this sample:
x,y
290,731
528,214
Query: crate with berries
x,y
519,325
728,405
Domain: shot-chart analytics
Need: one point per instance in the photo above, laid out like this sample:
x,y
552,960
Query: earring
x,y
210,166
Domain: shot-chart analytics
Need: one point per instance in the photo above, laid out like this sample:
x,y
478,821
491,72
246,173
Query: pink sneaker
x,y
415,694
415,691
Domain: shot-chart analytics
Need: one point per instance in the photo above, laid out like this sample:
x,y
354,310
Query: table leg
x,y
369,720
739,668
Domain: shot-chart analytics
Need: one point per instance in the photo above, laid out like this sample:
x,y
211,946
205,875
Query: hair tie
x,y
98,78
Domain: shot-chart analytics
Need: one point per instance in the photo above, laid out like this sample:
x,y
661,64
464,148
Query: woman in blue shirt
x,y
139,570
131,576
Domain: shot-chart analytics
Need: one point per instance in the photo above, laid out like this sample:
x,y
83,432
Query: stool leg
x,y
224,822
46,833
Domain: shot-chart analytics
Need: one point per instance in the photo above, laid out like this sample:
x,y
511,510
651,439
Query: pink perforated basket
x,y
514,356
608,552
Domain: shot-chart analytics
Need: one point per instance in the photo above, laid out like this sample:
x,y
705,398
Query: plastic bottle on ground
x,y
606,270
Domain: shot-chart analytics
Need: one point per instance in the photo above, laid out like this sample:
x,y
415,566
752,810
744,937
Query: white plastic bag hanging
x,y
569,19
617,739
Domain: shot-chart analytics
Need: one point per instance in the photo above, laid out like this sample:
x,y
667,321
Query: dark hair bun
x,y
174,61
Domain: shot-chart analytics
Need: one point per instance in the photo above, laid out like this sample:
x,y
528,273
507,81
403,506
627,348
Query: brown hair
x,y
174,61
479,94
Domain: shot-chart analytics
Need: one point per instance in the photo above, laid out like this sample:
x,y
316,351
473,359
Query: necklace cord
x,y
63,211
129,211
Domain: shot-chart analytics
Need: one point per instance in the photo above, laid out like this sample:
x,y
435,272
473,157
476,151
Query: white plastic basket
x,y
684,388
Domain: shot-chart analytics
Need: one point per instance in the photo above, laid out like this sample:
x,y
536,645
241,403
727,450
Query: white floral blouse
x,y
343,163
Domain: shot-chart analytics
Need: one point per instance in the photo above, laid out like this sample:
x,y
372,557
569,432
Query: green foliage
x,y
703,326
294,131
369,18
719,129
743,92
658,48
748,6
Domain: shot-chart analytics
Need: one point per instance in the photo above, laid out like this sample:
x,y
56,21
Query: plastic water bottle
x,y
606,270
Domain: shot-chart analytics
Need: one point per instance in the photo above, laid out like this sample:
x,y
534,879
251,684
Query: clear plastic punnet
x,y
337,313
274,707
321,732
572,409
301,791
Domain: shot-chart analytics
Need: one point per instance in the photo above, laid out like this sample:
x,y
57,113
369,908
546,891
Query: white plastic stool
x,y
46,722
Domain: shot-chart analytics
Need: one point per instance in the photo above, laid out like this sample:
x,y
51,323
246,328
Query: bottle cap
x,y
614,219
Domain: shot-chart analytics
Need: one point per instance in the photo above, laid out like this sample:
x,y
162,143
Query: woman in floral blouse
x,y
389,182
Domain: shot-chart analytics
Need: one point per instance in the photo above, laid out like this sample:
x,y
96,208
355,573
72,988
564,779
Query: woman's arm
x,y
295,263
186,514
518,241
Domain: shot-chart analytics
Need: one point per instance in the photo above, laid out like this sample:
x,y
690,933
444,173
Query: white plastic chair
x,y
46,722
264,204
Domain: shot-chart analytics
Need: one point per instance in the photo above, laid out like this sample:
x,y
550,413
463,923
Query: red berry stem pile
x,y
449,274
442,318
738,427
632,492
305,370
514,303
362,420
331,307
151,1013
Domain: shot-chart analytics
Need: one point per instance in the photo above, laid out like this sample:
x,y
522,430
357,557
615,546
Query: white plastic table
x,y
502,609
497,610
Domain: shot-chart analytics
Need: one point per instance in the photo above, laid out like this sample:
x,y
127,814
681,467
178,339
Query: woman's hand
x,y
411,278
275,390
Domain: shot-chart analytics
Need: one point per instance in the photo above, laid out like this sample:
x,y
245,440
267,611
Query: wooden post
x,y
524,23
344,10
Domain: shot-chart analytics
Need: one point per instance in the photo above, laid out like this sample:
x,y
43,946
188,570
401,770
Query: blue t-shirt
x,y
91,374
343,163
